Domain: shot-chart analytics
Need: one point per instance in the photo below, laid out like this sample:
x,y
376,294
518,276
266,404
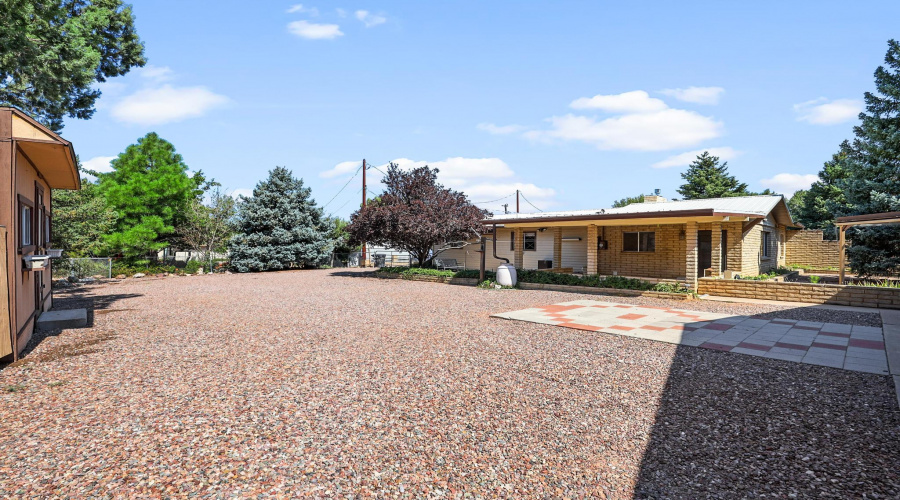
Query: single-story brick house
x,y
657,239
33,161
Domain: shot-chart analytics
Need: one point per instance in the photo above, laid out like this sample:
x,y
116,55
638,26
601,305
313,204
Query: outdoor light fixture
x,y
681,234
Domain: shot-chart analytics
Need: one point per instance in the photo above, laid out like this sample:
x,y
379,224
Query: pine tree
x,y
149,189
280,227
815,207
706,178
872,183
52,53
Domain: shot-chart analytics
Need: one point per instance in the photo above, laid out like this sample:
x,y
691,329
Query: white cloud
x,y
685,159
341,12
636,101
166,104
500,129
237,193
99,164
300,9
156,73
313,31
657,131
788,184
342,168
698,95
370,19
821,111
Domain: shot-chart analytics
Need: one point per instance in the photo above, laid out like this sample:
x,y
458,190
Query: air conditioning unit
x,y
545,264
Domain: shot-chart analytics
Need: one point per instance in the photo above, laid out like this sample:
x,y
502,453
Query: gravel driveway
x,y
329,383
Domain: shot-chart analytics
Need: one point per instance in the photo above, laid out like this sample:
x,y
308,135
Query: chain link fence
x,y
82,268
376,259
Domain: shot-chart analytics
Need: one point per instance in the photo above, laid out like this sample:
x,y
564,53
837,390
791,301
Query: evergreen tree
x,y
816,207
706,178
52,52
149,189
81,218
280,227
872,182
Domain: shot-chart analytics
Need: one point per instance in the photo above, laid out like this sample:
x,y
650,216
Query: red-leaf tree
x,y
416,213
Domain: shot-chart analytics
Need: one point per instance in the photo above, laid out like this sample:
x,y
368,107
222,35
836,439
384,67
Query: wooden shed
x,y
33,161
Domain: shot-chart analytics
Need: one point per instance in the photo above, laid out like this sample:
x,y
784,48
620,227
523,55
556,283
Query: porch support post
x,y
592,261
690,242
519,255
557,247
843,249
716,248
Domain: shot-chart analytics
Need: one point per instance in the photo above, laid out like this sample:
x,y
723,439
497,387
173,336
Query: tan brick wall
x,y
809,248
668,261
803,292
592,252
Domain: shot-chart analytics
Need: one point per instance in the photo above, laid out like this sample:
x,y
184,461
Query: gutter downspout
x,y
494,239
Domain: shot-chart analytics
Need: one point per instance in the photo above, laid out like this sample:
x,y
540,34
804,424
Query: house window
x,y
766,243
26,227
512,241
530,243
639,241
47,230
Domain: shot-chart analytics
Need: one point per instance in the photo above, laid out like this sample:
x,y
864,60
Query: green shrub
x,y
192,266
814,279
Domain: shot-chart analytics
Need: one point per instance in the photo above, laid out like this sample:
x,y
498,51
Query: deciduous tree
x,y
280,227
416,213
53,52
624,202
207,227
81,219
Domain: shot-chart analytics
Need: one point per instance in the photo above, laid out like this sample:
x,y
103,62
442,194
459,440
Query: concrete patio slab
x,y
849,347
63,318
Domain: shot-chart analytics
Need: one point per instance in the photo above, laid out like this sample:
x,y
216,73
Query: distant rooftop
x,y
759,206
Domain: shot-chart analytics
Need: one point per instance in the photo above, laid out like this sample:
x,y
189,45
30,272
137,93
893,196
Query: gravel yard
x,y
329,383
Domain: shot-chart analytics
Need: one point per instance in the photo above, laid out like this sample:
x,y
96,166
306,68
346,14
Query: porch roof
x,y
668,212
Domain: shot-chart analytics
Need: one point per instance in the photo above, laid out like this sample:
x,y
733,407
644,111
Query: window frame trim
x,y
525,245
22,202
638,242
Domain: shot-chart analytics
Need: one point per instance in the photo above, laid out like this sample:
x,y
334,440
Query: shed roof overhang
x,y
53,156
646,218
868,219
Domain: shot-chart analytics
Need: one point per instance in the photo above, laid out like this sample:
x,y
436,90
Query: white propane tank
x,y
506,275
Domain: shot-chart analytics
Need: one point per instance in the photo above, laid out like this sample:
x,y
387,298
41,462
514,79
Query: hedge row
x,y
544,277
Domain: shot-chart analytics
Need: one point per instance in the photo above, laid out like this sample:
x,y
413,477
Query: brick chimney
x,y
654,198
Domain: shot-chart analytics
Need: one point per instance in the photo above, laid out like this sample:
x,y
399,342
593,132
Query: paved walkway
x,y
851,347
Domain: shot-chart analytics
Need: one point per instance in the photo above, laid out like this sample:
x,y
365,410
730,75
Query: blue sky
x,y
575,103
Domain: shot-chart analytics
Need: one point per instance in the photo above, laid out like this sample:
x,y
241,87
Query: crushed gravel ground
x,y
330,384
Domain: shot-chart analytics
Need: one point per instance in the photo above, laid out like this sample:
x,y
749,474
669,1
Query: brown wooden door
x,y
704,247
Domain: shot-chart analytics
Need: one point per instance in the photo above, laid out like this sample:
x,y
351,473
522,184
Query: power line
x,y
530,203
491,201
338,209
342,189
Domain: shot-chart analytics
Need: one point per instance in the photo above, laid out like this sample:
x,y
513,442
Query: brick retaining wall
x,y
809,248
865,296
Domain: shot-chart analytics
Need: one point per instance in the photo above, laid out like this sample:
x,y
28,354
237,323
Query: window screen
x,y
530,241
26,230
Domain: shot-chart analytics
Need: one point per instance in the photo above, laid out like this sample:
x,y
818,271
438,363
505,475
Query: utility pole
x,y
363,264
505,206
517,201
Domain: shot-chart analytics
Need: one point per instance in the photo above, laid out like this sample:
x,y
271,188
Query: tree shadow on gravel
x,y
353,274
77,298
732,425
